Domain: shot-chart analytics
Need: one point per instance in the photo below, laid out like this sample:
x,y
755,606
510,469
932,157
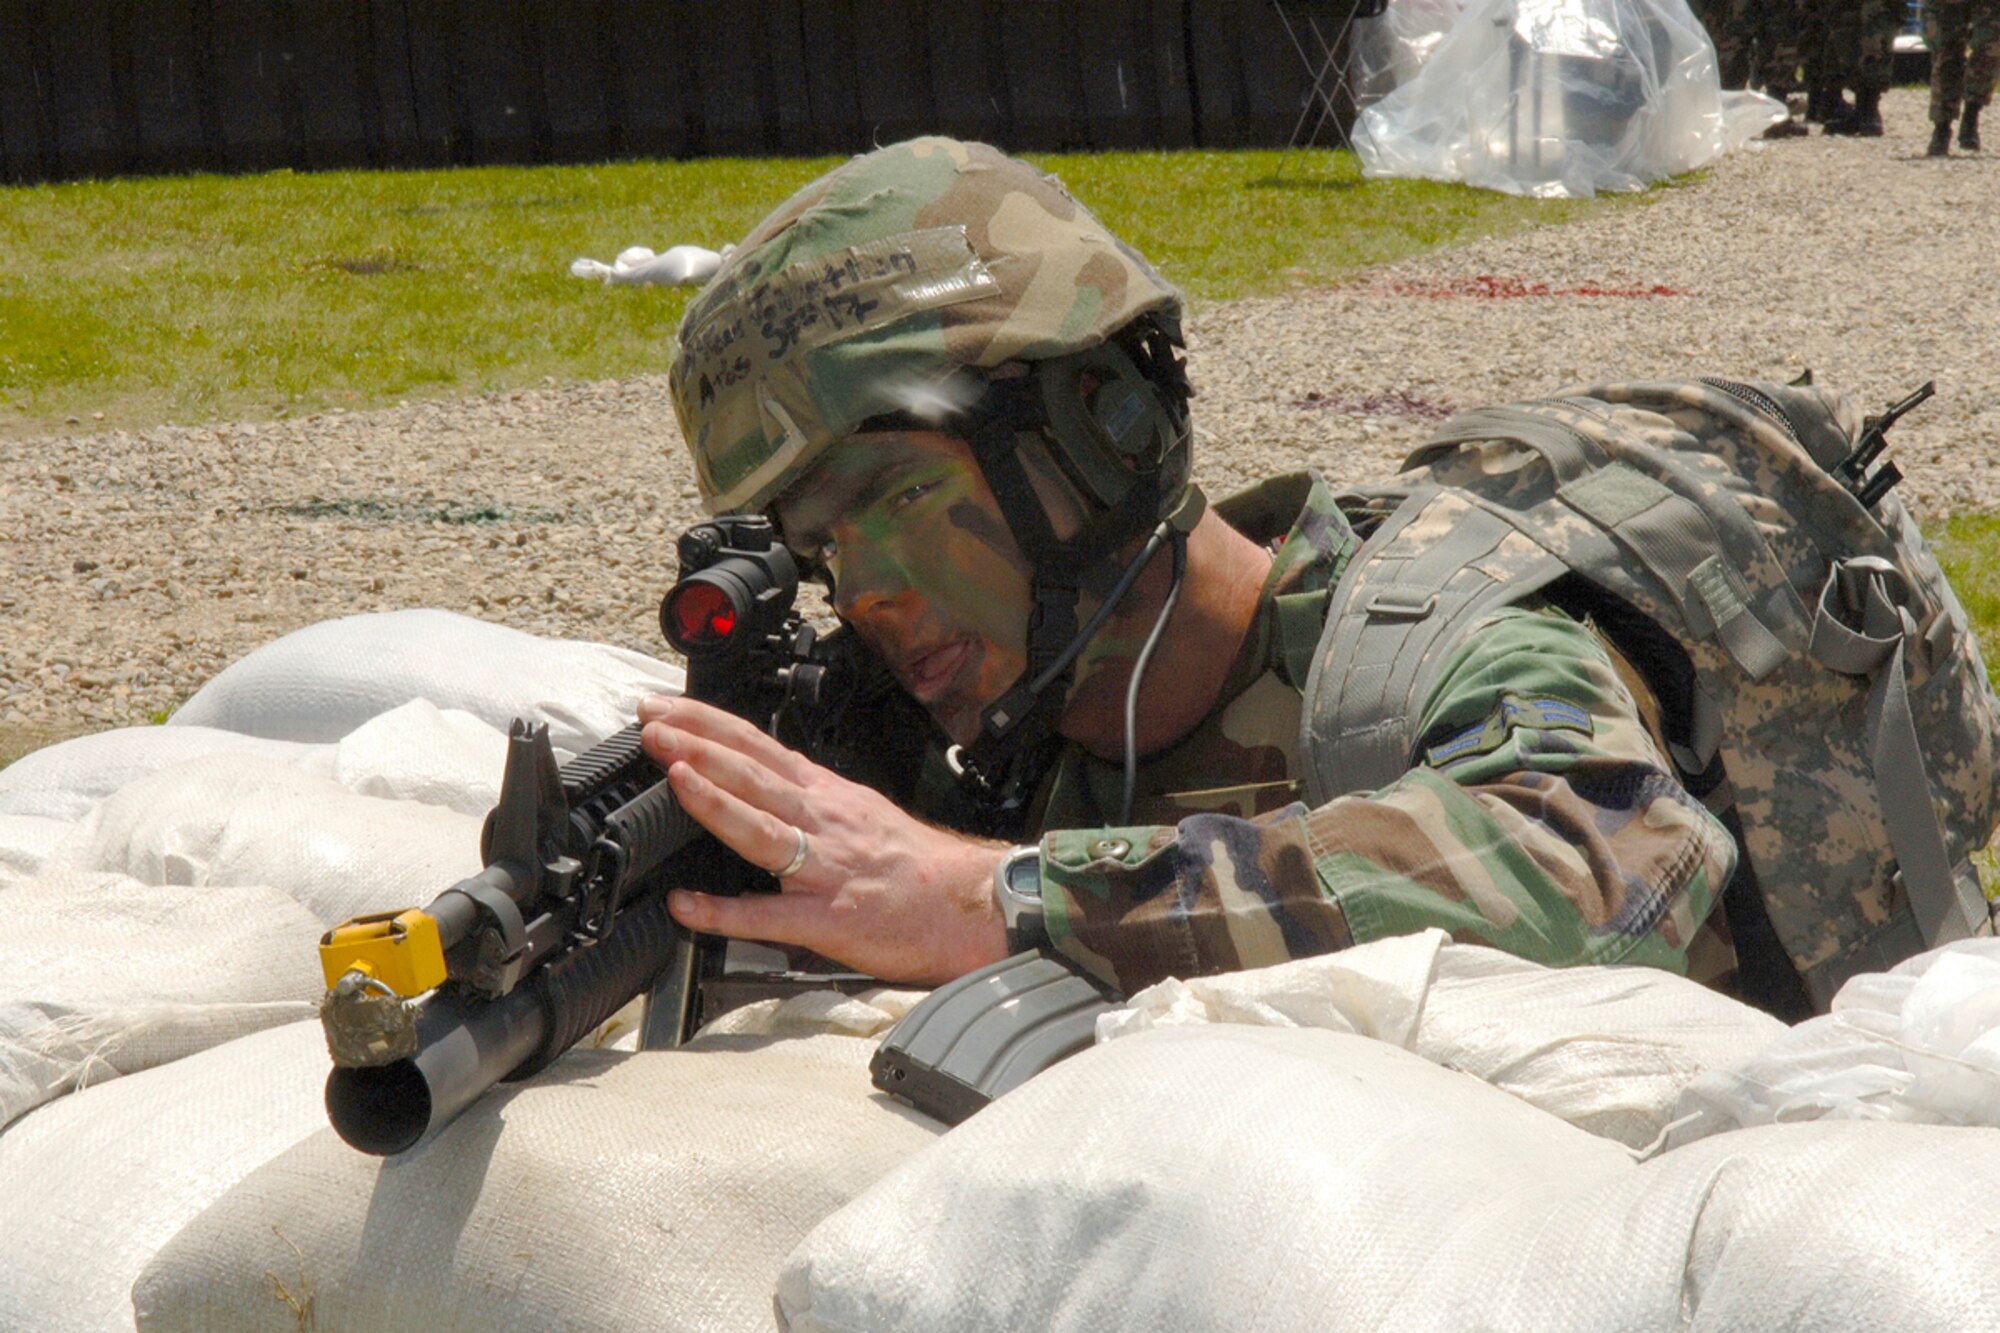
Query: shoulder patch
x,y
1514,711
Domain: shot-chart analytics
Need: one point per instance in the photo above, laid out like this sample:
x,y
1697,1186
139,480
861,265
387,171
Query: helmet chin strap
x,y
1004,762
1016,729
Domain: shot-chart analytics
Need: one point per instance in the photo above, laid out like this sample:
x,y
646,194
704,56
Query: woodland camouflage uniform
x,y
1964,41
1861,41
1758,43
1543,819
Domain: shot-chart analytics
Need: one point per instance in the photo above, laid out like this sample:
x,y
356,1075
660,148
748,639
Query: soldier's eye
x,y
826,551
909,495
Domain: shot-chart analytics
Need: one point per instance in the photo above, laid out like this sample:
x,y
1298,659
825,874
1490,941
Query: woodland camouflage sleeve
x,y
1542,821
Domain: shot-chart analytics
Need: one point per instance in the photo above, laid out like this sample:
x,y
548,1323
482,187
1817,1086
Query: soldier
x,y
1728,25
1861,41
960,398
1780,36
1822,75
1950,27
1757,45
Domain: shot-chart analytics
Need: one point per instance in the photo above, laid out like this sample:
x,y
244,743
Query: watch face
x,y
1024,875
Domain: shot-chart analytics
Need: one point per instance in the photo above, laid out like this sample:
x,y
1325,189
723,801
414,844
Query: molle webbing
x,y
1401,607
1945,899
1859,734
1700,554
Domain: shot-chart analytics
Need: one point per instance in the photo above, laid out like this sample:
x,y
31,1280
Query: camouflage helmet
x,y
886,278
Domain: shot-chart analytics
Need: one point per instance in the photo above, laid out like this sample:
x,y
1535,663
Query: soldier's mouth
x,y
931,673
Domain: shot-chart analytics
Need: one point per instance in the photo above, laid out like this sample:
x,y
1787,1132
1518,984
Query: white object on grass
x,y
1562,99
680,266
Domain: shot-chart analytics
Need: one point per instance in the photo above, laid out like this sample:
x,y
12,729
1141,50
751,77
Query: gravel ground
x,y
138,564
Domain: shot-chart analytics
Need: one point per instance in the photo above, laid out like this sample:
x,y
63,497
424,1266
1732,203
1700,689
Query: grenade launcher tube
x,y
466,1044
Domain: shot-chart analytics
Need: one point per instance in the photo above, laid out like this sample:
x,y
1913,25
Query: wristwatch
x,y
1017,888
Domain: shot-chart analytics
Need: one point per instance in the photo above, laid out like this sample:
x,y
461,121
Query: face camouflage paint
x,y
923,566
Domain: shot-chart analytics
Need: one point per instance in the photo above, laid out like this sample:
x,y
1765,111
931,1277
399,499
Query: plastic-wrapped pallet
x,y
655,1190
97,1182
1607,1049
1561,98
101,975
1388,50
1222,1176
227,820
321,682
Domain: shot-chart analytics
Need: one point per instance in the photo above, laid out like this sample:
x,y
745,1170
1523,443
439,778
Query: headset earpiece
x,y
1113,426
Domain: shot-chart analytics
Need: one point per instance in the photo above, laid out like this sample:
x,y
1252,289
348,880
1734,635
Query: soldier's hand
x,y
880,890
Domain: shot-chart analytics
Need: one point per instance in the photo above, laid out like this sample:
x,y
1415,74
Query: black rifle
x,y
568,922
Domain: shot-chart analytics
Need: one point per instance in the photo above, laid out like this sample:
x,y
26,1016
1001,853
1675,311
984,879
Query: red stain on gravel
x,y
1395,403
1486,287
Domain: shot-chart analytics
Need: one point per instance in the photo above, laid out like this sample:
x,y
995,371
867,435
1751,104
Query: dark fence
x,y
111,87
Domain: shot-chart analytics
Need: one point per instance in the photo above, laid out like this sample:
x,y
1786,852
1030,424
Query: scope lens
x,y
700,615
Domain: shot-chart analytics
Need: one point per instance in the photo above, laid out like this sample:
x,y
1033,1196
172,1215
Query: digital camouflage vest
x,y
1816,672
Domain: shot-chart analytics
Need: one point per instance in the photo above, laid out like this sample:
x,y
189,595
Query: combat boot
x,y
1866,120
1940,140
1824,104
1968,131
1791,127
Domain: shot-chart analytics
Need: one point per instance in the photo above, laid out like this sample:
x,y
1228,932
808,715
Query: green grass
x,y
198,297
1968,546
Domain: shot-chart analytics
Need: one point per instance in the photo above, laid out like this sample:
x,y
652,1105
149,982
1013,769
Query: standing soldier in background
x,y
1861,48
1757,46
1823,75
1950,27
1823,99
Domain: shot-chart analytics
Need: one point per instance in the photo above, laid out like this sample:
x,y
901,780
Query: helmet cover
x,y
865,291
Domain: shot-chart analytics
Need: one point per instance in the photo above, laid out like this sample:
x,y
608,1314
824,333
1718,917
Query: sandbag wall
x,y
1412,1133
106,87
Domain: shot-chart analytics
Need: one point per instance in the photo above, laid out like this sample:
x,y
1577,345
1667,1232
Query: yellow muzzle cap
x,y
399,949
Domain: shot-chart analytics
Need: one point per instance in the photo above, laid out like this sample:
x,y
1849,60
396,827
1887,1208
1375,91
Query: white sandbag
x,y
415,752
1224,1176
870,1014
98,1181
228,820
1607,1049
656,1190
29,842
418,752
101,975
321,682
68,779
1836,1225
1920,1042
1206,1177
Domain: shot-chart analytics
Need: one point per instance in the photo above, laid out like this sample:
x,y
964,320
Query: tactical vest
x,y
1823,689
